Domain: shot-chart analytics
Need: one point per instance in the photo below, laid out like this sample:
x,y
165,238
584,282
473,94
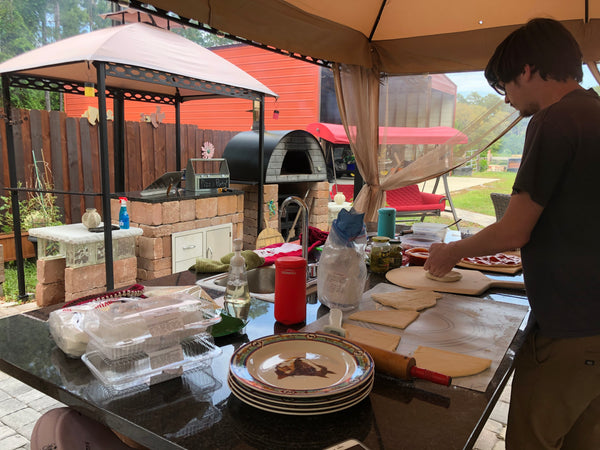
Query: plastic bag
x,y
342,269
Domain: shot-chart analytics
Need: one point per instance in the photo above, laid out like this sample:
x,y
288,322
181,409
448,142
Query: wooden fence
x,y
67,148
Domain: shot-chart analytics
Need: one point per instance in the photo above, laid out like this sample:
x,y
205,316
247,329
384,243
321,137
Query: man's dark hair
x,y
545,44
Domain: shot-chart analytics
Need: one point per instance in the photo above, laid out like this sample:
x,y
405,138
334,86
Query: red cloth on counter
x,y
272,252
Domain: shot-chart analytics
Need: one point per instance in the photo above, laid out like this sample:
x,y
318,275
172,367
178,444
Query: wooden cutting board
x,y
472,283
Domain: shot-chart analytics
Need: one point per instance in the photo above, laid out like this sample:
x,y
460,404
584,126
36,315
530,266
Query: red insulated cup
x,y
290,290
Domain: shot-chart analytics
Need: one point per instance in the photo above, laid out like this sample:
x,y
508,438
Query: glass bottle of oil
x,y
237,294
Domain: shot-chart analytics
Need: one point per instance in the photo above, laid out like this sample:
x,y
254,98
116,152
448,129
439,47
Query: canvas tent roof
x,y
401,36
336,134
137,45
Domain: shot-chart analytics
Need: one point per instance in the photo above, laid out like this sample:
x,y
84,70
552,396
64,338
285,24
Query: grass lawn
x,y
477,199
11,287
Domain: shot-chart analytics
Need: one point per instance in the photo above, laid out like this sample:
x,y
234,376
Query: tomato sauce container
x,y
290,290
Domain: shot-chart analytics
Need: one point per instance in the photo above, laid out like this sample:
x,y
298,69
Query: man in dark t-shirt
x,y
555,397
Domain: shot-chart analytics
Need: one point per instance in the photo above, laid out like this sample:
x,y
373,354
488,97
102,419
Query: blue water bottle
x,y
386,225
123,214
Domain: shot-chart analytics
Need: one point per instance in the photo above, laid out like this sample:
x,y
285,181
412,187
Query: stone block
x,y
80,279
206,207
167,247
49,294
187,210
170,212
157,231
146,213
125,270
150,248
226,205
75,295
183,226
51,270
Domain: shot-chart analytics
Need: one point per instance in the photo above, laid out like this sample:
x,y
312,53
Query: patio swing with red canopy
x,y
408,201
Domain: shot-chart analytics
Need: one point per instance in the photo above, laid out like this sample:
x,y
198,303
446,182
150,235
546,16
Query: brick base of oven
x,y
317,200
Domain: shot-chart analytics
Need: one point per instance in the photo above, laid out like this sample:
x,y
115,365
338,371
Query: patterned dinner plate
x,y
298,411
305,402
301,365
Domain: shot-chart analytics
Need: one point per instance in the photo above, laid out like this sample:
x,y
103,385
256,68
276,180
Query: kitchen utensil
x,y
392,363
268,236
335,323
473,282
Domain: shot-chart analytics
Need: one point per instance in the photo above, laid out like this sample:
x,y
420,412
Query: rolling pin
x,y
401,366
391,363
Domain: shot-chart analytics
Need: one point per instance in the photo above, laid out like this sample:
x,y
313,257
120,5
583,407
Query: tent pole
x,y
261,162
178,132
14,195
119,141
105,175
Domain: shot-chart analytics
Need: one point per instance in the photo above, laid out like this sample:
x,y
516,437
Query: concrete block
x,y
80,279
125,270
51,270
187,210
226,205
146,213
170,212
19,419
150,248
49,294
206,207
157,231
14,442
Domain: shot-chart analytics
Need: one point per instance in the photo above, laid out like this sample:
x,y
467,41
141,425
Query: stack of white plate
x,y
301,374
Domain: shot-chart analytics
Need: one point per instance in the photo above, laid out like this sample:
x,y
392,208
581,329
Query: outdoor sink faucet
x,y
302,205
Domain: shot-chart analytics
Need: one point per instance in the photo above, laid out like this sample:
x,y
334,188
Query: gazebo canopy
x,y
140,59
396,36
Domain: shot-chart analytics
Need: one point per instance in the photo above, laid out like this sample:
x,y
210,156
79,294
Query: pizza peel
x,y
473,282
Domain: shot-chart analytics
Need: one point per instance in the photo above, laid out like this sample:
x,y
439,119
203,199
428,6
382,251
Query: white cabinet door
x,y
218,241
186,246
210,242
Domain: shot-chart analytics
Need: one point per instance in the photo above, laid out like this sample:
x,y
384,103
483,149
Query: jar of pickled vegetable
x,y
395,254
380,254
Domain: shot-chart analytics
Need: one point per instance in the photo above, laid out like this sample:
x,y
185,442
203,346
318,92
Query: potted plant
x,y
36,210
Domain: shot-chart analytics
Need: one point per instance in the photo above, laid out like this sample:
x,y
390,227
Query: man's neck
x,y
551,91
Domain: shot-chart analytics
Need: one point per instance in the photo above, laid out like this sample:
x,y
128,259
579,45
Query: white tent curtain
x,y
364,107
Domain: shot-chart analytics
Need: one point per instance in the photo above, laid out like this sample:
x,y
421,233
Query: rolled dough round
x,y
451,276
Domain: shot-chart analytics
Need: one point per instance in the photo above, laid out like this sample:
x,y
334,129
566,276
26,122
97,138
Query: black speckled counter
x,y
197,411
182,194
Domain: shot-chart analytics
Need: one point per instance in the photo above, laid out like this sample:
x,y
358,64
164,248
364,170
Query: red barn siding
x,y
296,82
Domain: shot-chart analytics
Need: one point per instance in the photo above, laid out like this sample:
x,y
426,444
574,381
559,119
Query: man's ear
x,y
528,71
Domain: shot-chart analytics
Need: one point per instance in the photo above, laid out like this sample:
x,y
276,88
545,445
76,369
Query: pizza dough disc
x,y
449,363
374,338
450,277
414,300
397,319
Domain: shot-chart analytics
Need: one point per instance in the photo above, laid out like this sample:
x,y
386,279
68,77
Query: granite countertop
x,y
198,410
182,194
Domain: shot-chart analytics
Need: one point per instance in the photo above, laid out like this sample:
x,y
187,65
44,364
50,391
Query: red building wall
x,y
296,82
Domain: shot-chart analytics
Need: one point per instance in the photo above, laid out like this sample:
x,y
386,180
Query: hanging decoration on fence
x,y
155,118
92,115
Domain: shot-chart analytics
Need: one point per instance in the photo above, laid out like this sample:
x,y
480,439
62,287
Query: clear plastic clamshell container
x,y
149,325
152,367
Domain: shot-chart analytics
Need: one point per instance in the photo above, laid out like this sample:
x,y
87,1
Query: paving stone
x,y
21,418
14,387
5,432
500,445
500,413
3,376
486,440
494,427
4,395
44,403
27,430
30,396
9,406
14,442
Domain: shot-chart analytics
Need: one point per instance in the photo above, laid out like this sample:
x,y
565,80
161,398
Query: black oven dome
x,y
290,156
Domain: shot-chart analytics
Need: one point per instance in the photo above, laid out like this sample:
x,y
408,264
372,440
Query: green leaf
x,y
227,325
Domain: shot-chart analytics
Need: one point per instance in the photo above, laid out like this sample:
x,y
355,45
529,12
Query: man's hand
x,y
441,259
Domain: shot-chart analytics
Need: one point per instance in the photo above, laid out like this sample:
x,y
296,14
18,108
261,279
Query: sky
x,y
468,82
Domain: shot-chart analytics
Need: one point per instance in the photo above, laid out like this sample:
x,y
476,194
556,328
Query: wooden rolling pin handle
x,y
391,363
434,377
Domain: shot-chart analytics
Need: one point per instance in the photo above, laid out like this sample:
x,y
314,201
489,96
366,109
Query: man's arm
x,y
512,231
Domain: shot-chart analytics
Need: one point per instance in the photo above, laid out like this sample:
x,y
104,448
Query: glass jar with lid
x,y
395,253
380,254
